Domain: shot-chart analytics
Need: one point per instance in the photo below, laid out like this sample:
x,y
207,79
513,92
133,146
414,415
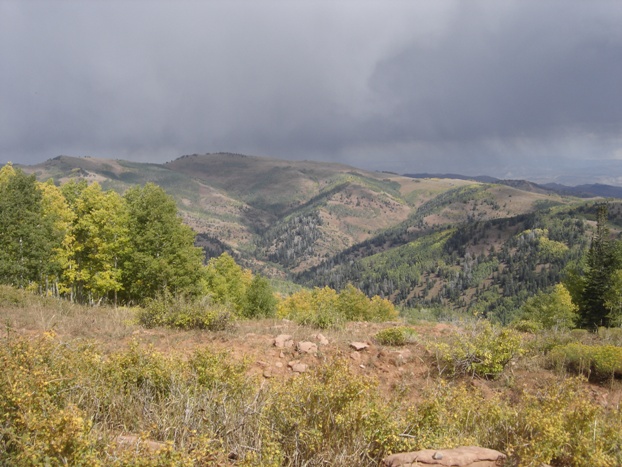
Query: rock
x,y
133,441
283,341
358,346
299,368
267,373
321,339
466,456
278,365
307,347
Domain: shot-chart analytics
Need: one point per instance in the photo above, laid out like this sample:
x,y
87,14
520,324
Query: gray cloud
x,y
481,87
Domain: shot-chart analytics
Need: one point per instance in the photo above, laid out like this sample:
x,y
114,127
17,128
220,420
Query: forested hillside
x,y
482,248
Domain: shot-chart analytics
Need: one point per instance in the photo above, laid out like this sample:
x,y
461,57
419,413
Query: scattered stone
x,y
362,366
466,456
278,365
321,339
134,441
358,346
281,355
355,356
299,368
263,364
307,347
267,373
283,341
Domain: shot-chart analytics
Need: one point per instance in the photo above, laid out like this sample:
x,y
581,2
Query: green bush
x,y
598,362
480,349
395,336
527,325
177,311
326,308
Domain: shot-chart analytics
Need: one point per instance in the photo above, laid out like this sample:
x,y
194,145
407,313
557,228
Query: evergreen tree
x,y
601,263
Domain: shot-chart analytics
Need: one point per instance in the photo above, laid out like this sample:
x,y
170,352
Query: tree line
x,y
90,245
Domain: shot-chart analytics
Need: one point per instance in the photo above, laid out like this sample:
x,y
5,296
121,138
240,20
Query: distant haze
x,y
512,89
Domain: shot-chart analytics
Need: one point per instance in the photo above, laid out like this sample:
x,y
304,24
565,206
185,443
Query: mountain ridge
x,y
322,223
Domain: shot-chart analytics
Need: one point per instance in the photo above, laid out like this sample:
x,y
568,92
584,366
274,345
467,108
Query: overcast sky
x,y
415,86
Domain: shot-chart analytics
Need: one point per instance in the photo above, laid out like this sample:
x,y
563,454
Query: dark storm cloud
x,y
406,86
536,69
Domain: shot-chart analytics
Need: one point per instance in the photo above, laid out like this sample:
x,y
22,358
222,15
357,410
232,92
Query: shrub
x,y
330,415
325,308
481,349
178,311
395,336
527,325
38,426
611,336
556,423
595,361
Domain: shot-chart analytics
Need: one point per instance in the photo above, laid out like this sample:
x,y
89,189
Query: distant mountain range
x,y
420,239
582,191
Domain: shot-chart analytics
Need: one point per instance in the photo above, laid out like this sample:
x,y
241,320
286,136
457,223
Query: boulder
x,y
466,456
321,339
299,367
358,346
307,347
283,341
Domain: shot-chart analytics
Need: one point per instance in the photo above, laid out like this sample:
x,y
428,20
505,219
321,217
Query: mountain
x,y
582,191
466,243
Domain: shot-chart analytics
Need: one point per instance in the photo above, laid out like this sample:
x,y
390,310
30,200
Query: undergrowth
x,y
65,403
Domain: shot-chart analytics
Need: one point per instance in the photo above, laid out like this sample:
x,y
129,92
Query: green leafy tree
x,y
99,240
26,235
260,299
552,310
353,304
161,254
56,209
227,282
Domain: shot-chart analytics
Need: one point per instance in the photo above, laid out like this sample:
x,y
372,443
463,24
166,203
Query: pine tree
x,y
601,263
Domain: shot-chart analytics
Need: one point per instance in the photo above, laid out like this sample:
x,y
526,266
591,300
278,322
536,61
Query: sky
x,y
496,87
